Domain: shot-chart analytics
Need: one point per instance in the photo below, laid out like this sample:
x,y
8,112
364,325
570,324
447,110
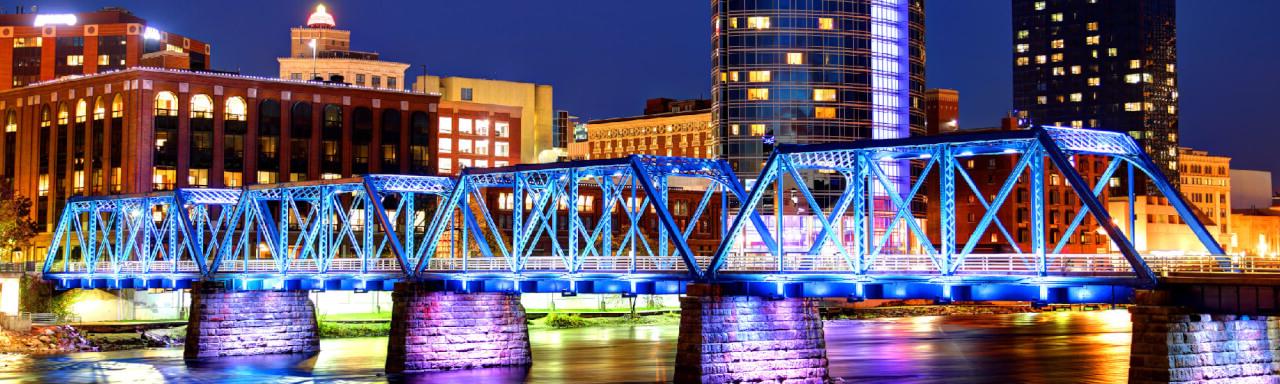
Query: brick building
x,y
36,48
144,129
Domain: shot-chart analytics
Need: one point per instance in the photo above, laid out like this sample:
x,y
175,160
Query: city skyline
x,y
665,54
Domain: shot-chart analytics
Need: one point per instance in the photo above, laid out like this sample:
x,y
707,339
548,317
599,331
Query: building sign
x,y
56,19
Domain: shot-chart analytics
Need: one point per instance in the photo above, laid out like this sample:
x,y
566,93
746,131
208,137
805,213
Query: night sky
x,y
605,57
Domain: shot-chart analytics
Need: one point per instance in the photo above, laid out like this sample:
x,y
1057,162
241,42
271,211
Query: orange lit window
x,y
824,112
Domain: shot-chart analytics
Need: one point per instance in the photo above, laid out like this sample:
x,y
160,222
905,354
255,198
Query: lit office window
x,y
823,94
1039,5
1093,26
446,125
758,76
824,112
795,58
1058,44
826,23
1057,17
1094,81
1135,64
758,94
1077,97
1021,48
1041,59
758,22
1023,34
75,60
1075,69
757,129
446,145
1112,52
1021,61
1133,78
1132,107
1092,40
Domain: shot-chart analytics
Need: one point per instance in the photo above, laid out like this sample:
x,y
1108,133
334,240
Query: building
x,y
1256,232
146,129
664,105
1061,203
813,72
1100,64
562,134
685,134
476,135
320,50
1250,189
42,47
534,101
941,111
1206,184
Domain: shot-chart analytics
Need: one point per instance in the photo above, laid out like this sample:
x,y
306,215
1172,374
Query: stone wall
x,y
240,323
1174,344
731,339
434,330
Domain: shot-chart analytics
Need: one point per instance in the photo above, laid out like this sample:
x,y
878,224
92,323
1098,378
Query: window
x,y
360,79
757,129
758,94
826,23
1169,68
1023,34
1094,81
1039,5
27,42
795,58
464,126
824,112
502,128
1092,40
758,22
1059,71
1077,97
758,76
1041,59
1057,57
1022,48
466,94
1042,100
445,146
1092,26
446,165
501,149
464,145
1133,78
482,147
391,82
1075,69
824,94
1057,44
104,59
1112,52
75,60
482,127
1021,61
1135,64
446,125
1132,107
295,76
1057,17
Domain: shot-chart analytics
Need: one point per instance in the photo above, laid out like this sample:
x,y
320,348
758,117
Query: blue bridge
x,y
367,233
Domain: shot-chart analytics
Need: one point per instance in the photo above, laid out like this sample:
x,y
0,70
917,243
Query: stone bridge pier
x,y
728,336
436,329
1205,333
225,322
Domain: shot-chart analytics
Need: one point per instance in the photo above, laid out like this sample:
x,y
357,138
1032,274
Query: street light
x,y
314,50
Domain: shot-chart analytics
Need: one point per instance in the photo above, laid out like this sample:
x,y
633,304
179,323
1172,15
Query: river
x,y
1067,347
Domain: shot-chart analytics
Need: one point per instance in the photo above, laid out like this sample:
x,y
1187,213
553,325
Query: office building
x,y
1206,184
685,134
814,72
1100,64
941,111
534,101
321,50
43,47
1251,189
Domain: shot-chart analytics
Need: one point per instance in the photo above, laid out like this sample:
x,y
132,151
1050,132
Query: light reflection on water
x,y
1047,347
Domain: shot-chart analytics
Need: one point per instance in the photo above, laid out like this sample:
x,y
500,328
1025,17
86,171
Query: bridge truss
x,y
638,224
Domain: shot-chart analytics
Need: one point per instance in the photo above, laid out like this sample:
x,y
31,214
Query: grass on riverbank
x,y
334,330
558,320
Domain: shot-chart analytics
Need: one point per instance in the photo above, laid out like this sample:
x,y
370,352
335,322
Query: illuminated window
x,y
734,129
1112,52
758,22
757,129
446,145
758,94
1092,26
236,109
1135,64
26,42
1057,57
1021,61
82,111
1133,78
824,112
795,58
733,22
1077,124
464,126
758,76
1077,97
1058,44
1040,59
482,127
1039,5
501,149
1094,81
1023,34
823,94
201,107
1042,100
1057,17
826,23
1023,47
446,165
104,60
502,128
1132,107
446,125
1075,69
74,60
166,104
464,146
1092,40
1059,71
482,147
1168,68
1172,110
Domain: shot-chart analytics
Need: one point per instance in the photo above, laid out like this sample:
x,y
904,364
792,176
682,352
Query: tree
x,y
16,226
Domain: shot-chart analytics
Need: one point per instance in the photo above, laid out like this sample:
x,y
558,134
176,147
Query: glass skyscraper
x,y
815,71
1100,64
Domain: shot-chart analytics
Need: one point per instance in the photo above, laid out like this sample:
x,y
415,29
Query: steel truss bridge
x,y
610,226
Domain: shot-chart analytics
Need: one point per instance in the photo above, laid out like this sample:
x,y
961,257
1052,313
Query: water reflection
x,y
1048,347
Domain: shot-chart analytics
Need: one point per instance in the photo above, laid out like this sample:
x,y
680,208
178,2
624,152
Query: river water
x,y
1066,347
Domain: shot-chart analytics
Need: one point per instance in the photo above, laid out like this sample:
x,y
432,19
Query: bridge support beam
x,y
1181,344
243,323
727,338
433,329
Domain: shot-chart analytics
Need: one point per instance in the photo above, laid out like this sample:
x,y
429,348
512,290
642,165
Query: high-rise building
x,y
563,131
534,101
320,50
1100,64
802,72
43,47
941,111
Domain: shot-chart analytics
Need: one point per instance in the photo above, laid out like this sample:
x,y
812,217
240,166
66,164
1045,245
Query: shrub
x,y
561,320
335,330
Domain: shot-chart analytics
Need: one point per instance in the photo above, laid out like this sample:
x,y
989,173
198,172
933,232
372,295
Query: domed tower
x,y
321,50
321,28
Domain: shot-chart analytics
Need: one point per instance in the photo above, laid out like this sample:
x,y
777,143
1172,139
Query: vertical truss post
x,y
374,203
747,210
194,244
858,196
663,198
947,205
1131,217
517,220
574,222
778,213
1037,210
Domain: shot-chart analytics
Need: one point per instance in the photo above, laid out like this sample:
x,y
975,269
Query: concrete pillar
x,y
1175,344
242,323
726,338
437,330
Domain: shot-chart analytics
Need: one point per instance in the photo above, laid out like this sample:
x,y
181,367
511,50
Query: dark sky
x,y
605,57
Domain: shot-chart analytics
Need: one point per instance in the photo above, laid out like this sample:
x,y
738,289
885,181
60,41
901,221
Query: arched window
x,y
331,137
63,114
10,142
11,122
236,109
390,140
201,107
44,116
99,108
166,104
117,106
268,140
82,111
